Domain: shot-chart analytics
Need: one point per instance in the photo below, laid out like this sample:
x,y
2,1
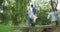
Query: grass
x,y
7,28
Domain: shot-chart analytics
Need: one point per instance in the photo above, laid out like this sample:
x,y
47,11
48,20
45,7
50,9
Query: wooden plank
x,y
36,27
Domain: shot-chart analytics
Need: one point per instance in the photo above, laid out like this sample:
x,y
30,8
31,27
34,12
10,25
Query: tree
x,y
19,11
54,4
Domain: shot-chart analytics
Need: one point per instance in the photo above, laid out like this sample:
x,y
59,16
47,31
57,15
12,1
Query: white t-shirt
x,y
31,14
53,16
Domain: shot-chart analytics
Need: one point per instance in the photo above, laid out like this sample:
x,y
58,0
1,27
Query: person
x,y
56,15
53,15
29,19
32,15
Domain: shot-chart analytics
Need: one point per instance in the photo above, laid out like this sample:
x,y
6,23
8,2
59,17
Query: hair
x,y
31,5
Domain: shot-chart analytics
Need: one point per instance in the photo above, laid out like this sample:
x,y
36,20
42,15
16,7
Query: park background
x,y
14,13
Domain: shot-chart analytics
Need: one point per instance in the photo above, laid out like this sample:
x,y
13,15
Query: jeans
x,y
29,20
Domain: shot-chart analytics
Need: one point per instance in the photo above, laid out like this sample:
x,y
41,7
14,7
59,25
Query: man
x,y
53,15
29,13
32,16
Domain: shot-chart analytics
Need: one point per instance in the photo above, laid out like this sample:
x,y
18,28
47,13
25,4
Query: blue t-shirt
x,y
33,10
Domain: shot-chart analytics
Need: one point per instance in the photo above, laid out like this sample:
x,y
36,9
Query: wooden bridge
x,y
39,28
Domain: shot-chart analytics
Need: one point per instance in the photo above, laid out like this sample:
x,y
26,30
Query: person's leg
x,y
56,22
32,24
29,21
53,23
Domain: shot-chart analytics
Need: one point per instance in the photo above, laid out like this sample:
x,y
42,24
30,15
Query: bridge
x,y
39,28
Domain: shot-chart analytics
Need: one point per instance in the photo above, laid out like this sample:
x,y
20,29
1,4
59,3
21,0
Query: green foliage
x,y
42,17
43,8
17,12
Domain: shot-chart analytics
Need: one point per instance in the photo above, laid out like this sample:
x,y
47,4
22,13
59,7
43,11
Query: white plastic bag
x,y
34,17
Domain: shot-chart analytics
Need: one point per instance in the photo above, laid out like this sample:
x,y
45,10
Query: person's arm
x,y
57,14
49,15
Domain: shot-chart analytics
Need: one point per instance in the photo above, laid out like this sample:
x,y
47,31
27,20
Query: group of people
x,y
52,15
